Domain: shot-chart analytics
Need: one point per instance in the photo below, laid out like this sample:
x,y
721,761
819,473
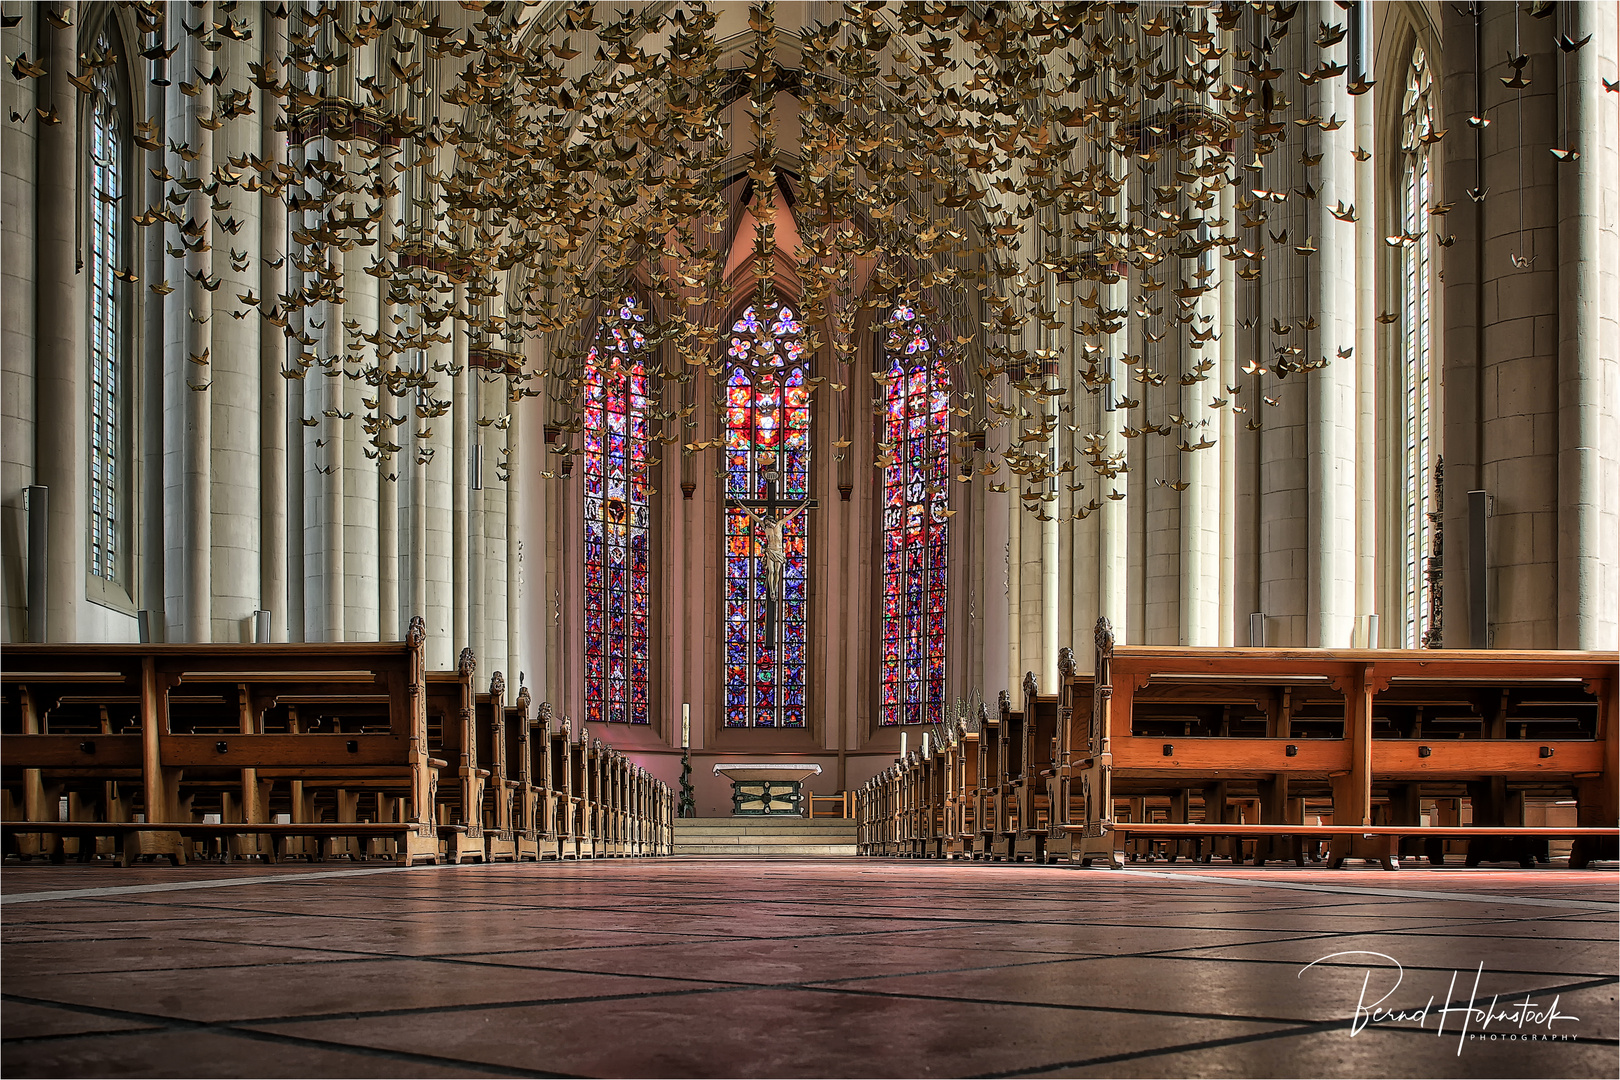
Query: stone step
x,y
796,826
762,838
773,830
765,835
819,851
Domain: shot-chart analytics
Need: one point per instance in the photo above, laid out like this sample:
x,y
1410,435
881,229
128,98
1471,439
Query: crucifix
x,y
772,524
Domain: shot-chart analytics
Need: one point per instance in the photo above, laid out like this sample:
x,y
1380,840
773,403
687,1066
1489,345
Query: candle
x,y
902,744
686,725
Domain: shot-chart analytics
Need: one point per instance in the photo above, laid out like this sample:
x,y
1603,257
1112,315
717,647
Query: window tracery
x,y
767,448
617,520
916,525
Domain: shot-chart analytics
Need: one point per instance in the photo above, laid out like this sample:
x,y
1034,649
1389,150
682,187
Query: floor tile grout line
x,y
1588,984
234,1029
366,1014
1400,894
1292,1031
1301,1030
810,987
392,1055
479,960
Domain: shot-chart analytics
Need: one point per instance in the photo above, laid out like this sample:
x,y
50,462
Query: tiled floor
x,y
713,967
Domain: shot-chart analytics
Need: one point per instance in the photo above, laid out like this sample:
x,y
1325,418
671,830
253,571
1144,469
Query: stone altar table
x,y
764,787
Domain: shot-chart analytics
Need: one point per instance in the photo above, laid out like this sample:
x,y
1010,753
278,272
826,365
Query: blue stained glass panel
x,y
618,585
915,542
767,424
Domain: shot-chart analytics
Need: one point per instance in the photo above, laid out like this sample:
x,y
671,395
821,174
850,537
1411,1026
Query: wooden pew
x,y
1265,729
1070,740
458,807
1009,767
963,767
525,785
495,809
175,723
590,763
935,798
1032,784
987,810
566,801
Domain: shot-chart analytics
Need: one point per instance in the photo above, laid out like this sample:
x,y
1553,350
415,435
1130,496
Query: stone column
x,y
1199,601
1464,293
1513,437
327,523
517,486
390,465
1225,424
60,327
995,602
462,414
1333,401
152,479
358,356
273,494
1366,338
1588,357
1050,602
441,479
198,370
236,397
1087,409
19,304
536,610
1113,547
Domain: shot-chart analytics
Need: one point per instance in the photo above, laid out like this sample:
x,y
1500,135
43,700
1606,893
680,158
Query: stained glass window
x,y
1417,337
107,254
916,526
767,431
617,513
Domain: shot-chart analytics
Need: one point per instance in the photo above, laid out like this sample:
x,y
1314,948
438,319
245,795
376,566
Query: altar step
x,y
785,836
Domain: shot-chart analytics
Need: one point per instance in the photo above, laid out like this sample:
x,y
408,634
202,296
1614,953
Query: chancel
x,y
609,482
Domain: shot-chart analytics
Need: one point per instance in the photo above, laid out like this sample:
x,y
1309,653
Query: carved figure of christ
x,y
775,545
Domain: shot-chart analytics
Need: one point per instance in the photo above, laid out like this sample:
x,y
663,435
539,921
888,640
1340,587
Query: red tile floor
x,y
715,967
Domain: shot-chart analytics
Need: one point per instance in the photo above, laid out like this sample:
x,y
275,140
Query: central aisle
x,y
827,967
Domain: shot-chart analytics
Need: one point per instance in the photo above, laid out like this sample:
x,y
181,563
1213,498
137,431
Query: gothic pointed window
x,y
916,524
767,473
108,252
1417,340
617,520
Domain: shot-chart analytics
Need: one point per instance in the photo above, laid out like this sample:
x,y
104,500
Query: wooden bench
x,y
962,792
528,790
1261,731
458,802
126,731
499,791
1263,744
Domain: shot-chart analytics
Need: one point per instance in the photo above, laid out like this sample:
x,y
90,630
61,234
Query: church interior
x,y
888,537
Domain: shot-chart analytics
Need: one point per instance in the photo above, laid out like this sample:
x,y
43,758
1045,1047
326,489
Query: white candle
x,y
686,725
902,744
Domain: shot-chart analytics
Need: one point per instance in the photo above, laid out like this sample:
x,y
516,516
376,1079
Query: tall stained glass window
x,y
617,513
108,253
1417,338
916,526
767,422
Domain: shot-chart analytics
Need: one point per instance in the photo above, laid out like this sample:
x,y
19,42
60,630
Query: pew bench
x,y
1379,842
138,839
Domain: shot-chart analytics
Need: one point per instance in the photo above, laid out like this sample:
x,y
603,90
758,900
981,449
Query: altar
x,y
772,788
